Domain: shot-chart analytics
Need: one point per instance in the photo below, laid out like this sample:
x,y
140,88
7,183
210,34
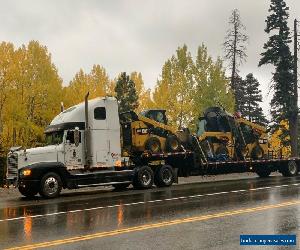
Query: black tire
x,y
291,169
143,178
121,186
164,176
241,153
263,173
257,153
153,145
28,192
51,185
222,149
172,144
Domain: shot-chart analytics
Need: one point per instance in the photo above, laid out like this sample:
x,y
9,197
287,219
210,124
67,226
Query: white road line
x,y
145,202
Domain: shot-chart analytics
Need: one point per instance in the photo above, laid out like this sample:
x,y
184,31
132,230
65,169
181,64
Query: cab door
x,y
74,149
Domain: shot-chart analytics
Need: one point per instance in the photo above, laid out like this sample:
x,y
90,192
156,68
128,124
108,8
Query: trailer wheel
x,y
51,185
291,169
153,145
143,178
121,186
164,176
263,173
172,143
28,192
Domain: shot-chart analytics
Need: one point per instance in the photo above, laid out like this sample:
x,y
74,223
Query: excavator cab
x,y
158,115
218,120
214,131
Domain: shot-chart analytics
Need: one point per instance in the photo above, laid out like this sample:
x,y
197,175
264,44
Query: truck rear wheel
x,y
143,178
291,169
51,185
164,176
28,192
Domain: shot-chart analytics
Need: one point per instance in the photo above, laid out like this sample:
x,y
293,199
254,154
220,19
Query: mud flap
x,y
176,175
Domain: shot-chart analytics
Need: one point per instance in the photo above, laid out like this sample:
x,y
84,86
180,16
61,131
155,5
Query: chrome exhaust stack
x,y
87,133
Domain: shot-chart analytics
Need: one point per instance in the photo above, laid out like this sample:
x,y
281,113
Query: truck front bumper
x,y
9,182
33,184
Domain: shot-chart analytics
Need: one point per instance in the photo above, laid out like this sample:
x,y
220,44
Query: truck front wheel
x,y
51,185
28,192
164,176
143,178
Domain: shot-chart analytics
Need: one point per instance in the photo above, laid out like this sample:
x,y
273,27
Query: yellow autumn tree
x,y
276,143
188,86
174,91
35,92
97,83
8,65
144,95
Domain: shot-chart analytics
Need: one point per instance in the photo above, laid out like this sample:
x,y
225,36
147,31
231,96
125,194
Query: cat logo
x,y
142,131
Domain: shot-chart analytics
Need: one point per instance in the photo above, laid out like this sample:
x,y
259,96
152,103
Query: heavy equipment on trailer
x,y
148,131
226,136
91,144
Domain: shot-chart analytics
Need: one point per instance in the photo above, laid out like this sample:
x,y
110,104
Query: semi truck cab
x,y
81,140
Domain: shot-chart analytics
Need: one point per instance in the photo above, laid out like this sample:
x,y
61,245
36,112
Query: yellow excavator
x,y
148,132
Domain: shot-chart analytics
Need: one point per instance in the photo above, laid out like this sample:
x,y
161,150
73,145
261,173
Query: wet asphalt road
x,y
208,215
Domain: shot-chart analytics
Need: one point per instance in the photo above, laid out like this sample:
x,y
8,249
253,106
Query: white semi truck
x,y
84,148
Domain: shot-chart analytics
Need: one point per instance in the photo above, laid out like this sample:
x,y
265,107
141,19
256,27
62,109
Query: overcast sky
x,y
134,35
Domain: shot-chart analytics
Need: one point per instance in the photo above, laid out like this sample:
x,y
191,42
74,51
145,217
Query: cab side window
x,y
70,137
99,113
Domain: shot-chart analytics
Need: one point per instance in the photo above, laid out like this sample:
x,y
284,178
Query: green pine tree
x,y
239,94
250,104
277,53
126,93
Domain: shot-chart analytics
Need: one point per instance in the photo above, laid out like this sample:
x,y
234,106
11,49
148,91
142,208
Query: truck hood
x,y
39,154
41,150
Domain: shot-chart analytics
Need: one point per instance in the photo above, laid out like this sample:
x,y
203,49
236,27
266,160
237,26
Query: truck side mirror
x,y
76,137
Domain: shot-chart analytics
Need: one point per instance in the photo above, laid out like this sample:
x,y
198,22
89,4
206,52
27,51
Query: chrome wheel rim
x,y
146,178
292,168
51,185
166,176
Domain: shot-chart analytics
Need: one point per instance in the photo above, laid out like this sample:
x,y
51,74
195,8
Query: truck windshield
x,y
54,138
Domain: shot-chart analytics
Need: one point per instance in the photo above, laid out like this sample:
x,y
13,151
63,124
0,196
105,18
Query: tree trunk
x,y
233,73
293,121
293,127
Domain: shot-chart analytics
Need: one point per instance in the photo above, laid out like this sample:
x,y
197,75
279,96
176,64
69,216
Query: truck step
x,y
101,172
101,184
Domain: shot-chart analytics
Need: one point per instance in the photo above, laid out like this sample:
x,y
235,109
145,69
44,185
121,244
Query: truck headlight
x,y
26,172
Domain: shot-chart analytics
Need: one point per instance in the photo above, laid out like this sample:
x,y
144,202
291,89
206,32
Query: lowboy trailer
x,y
84,148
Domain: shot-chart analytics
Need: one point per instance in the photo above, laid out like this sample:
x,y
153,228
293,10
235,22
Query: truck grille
x,y
12,166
